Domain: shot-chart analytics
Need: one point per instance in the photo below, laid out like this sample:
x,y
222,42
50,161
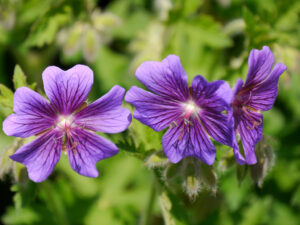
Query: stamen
x,y
190,109
173,124
249,98
181,134
254,123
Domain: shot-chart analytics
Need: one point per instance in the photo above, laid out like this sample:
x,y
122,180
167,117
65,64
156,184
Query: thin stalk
x,y
146,218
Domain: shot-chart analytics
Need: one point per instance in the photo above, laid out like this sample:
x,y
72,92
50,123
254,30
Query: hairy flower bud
x,y
157,160
265,161
197,175
191,177
91,44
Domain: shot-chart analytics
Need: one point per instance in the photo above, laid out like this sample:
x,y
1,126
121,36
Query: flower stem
x,y
146,218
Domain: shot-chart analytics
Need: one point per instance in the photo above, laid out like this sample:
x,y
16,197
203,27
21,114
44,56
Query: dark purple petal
x,y
188,140
41,155
106,114
238,86
166,78
225,93
209,94
263,96
260,64
153,110
218,126
33,114
250,126
85,149
237,154
213,98
236,151
67,90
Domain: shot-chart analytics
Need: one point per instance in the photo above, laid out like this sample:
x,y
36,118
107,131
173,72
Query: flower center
x,y
190,108
65,122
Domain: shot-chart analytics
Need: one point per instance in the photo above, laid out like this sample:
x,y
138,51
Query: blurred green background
x,y
212,38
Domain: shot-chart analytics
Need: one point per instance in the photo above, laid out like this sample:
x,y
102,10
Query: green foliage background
x,y
212,38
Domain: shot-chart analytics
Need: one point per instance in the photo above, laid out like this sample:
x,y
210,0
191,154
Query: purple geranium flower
x,y
66,123
194,114
257,94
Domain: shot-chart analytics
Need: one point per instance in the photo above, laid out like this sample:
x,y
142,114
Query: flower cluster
x,y
194,115
205,110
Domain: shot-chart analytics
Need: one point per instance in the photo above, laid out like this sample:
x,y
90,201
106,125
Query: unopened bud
x,y
226,161
157,160
91,44
171,172
208,177
104,21
191,177
241,172
163,7
265,160
72,39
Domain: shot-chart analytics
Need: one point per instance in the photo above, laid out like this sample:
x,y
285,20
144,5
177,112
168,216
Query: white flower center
x,y
65,122
190,108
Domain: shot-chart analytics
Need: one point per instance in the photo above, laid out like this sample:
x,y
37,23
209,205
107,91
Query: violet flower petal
x,y
213,98
218,127
41,155
264,95
85,149
250,127
33,114
182,141
209,94
166,78
67,90
260,64
238,86
106,114
152,110
237,154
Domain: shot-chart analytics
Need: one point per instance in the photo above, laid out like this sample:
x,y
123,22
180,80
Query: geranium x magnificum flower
x,y
66,123
257,94
194,114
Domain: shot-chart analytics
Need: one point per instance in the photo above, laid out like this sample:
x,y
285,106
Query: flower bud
x,y
197,175
226,161
163,7
241,172
171,172
191,177
104,21
91,44
265,160
71,39
157,160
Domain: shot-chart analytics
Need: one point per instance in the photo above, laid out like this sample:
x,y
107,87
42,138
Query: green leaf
x,y
45,29
173,211
6,100
19,78
6,96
